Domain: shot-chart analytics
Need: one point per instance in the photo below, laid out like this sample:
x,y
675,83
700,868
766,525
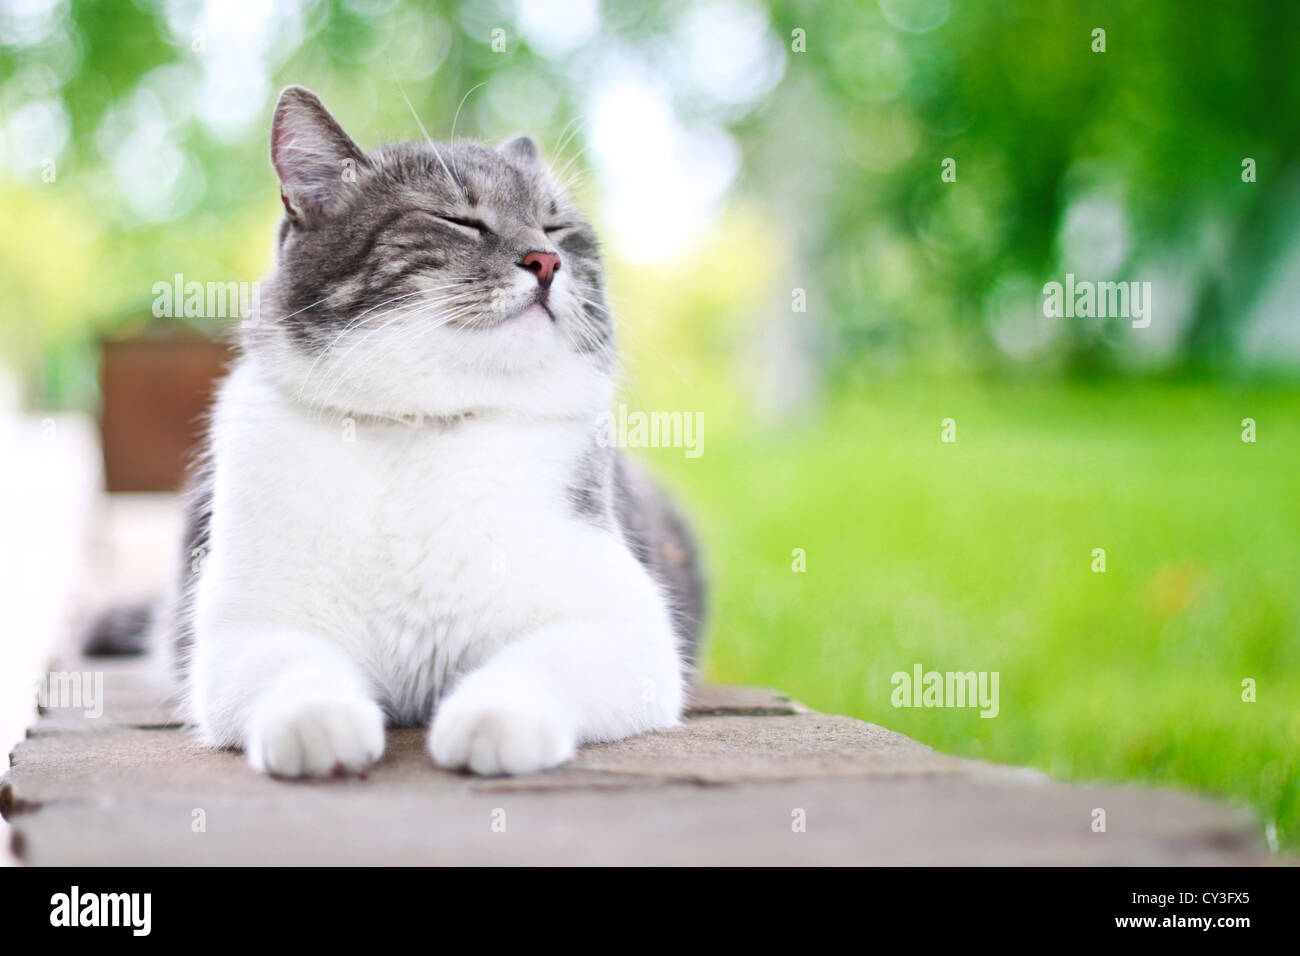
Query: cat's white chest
x,y
420,549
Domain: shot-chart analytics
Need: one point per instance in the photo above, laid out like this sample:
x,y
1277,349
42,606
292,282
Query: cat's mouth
x,y
539,309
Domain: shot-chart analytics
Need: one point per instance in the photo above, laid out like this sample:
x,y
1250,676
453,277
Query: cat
x,y
404,515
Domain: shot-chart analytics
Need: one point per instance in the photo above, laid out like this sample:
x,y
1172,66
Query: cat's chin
x,y
506,378
536,315
522,339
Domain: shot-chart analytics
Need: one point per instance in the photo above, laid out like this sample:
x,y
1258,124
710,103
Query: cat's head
x,y
425,279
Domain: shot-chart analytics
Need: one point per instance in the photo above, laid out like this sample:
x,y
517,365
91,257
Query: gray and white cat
x,y
404,514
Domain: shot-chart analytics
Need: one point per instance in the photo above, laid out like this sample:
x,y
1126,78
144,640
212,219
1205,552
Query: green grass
x,y
977,556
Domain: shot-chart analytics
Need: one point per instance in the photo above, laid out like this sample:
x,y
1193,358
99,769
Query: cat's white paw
x,y
316,736
492,732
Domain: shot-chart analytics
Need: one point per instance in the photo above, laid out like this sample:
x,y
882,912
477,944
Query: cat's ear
x,y
313,158
523,151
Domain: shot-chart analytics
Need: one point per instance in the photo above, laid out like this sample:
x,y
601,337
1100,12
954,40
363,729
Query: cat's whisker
x,y
381,320
376,346
566,135
642,339
573,159
455,119
425,132
387,321
352,325
573,182
260,320
427,305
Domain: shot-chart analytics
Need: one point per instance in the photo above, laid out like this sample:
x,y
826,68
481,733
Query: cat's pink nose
x,y
542,264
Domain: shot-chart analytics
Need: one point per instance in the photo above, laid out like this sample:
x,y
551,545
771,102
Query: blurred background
x,y
829,226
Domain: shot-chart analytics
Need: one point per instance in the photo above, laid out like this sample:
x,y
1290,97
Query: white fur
x,y
426,569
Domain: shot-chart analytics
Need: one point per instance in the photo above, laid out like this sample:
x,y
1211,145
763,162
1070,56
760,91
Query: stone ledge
x,y
724,788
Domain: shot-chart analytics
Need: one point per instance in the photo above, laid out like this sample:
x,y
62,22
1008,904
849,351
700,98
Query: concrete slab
x,y
752,777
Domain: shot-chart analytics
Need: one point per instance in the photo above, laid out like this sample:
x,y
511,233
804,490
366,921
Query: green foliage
x,y
845,153
1036,120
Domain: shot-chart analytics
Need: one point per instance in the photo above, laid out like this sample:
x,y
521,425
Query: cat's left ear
x,y
523,151
313,157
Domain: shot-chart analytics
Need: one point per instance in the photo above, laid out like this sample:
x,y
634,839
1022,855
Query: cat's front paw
x,y
316,736
494,732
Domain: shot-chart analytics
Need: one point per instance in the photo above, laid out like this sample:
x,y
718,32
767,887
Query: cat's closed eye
x,y
562,227
477,225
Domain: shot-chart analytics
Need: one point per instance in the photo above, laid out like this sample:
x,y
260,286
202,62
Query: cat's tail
x,y
121,630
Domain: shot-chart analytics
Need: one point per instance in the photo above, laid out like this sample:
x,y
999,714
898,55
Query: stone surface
x,y
133,693
728,787
49,501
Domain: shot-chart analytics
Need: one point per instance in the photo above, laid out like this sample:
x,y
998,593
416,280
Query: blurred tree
x,y
1122,163
1040,123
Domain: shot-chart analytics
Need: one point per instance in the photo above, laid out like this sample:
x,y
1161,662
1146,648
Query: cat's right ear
x,y
522,150
313,158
